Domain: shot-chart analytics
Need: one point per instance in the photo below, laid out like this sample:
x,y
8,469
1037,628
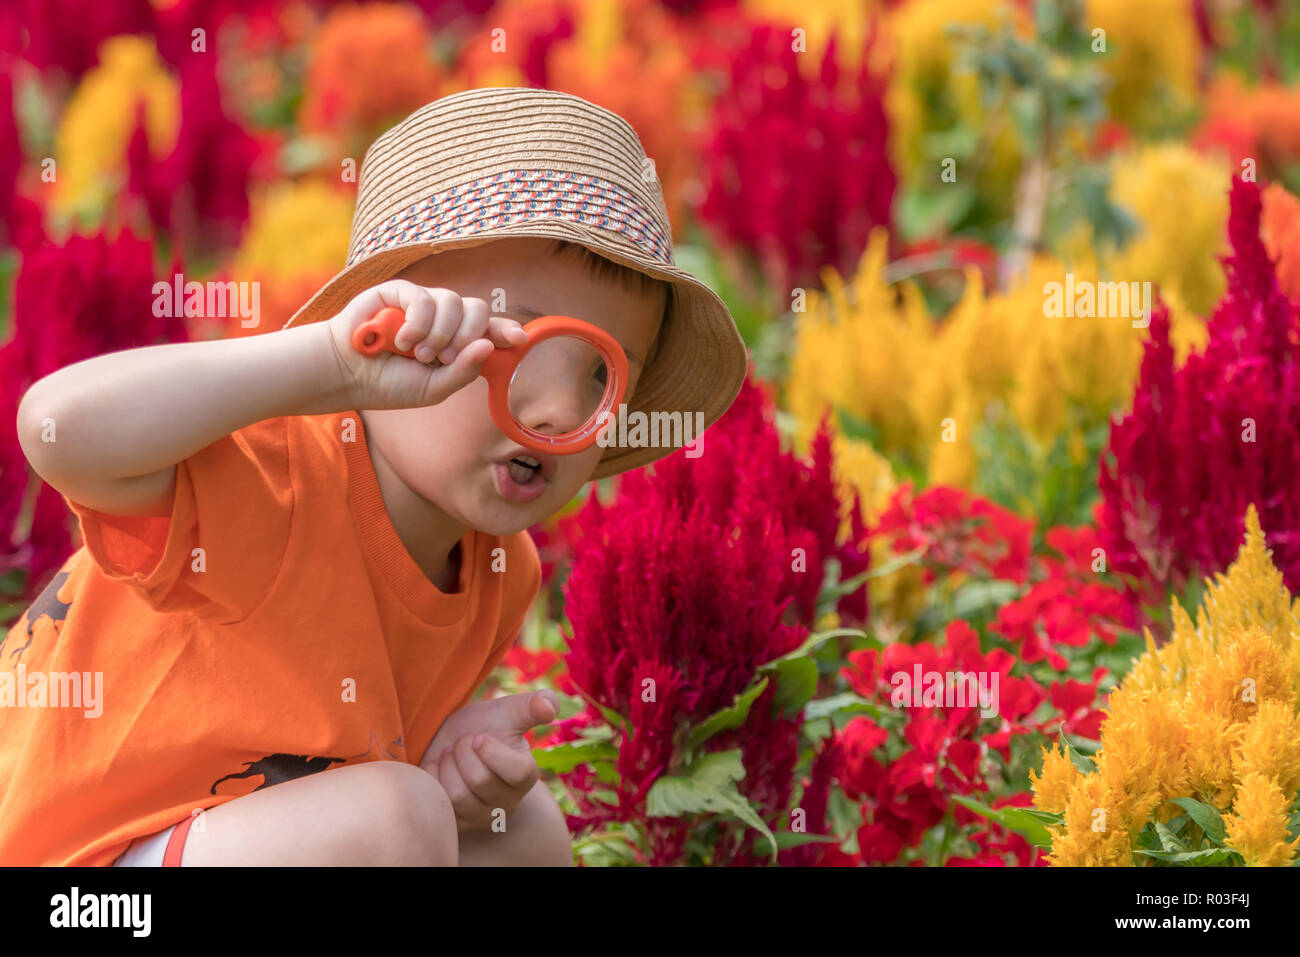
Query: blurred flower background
x,y
931,471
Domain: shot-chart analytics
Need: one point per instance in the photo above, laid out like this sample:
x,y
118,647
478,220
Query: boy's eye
x,y
599,375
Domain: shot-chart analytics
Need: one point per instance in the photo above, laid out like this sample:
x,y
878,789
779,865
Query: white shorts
x,y
146,851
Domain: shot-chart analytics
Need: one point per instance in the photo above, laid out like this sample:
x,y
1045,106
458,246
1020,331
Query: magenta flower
x,y
679,590
1205,440
200,192
66,34
797,170
89,296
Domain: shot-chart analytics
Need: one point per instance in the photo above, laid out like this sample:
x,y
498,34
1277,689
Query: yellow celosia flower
x,y
1211,740
858,350
1250,668
1093,835
97,125
1257,828
297,238
1270,745
861,471
1211,715
1152,51
1060,776
927,387
296,228
1180,200
1143,758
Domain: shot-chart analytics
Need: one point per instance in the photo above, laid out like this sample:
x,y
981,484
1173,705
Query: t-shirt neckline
x,y
382,543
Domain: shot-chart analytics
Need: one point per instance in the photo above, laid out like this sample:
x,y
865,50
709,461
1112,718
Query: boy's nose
x,y
548,407
556,390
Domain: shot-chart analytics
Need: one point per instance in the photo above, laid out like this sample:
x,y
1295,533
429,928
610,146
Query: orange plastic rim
x,y
499,368
377,333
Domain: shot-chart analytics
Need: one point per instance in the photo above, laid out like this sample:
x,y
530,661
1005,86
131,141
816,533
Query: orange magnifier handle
x,y
377,333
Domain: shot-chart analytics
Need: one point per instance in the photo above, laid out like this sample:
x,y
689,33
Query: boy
x,y
300,562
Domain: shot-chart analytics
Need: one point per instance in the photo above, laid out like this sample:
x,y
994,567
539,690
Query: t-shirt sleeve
x,y
219,552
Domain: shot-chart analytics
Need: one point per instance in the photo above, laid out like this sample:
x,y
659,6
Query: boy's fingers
x,y
445,323
516,769
473,323
463,800
420,314
520,712
482,781
544,707
506,332
448,379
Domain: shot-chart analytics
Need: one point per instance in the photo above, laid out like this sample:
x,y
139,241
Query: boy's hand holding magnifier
x,y
455,340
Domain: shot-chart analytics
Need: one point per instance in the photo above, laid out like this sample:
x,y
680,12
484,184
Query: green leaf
x,y
607,773
833,591
561,758
1169,840
1209,857
787,839
726,718
1085,746
812,641
969,601
707,787
1030,823
612,717
796,683
846,703
1206,816
1081,762
856,428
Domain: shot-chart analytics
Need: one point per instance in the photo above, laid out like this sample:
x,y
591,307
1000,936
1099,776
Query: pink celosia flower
x,y
796,169
89,296
685,585
199,193
1205,440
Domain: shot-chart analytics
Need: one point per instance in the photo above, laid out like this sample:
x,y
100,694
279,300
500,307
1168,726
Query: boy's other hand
x,y
482,759
440,325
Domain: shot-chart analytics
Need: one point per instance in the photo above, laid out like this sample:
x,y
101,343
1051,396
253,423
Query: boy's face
x,y
452,453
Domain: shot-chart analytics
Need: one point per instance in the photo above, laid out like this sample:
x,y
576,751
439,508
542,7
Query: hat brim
x,y
699,364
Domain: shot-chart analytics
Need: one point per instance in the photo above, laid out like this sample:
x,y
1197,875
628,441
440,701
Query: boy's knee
x,y
553,845
414,823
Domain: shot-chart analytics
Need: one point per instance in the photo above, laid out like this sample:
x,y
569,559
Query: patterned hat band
x,y
516,196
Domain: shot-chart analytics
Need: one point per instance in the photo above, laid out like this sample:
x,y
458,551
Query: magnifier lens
x,y
559,385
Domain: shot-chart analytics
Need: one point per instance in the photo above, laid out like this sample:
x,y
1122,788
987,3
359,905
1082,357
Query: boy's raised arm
x,y
120,422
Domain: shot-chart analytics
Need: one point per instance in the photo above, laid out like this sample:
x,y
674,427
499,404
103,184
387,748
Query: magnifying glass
x,y
568,375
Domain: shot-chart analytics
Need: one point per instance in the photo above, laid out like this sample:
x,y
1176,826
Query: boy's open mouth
x,y
524,468
524,476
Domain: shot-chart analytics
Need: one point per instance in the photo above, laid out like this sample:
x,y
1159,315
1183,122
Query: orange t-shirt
x,y
272,626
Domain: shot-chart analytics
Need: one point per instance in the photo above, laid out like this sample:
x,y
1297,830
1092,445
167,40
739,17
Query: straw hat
x,y
495,162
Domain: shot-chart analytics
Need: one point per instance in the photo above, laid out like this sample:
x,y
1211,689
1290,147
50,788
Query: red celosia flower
x,y
200,192
66,34
959,532
90,296
1205,440
796,170
680,590
1068,605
